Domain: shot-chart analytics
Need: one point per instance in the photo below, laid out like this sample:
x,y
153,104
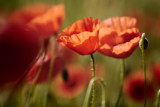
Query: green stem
x,y
103,102
102,83
93,65
50,69
121,84
39,70
32,87
45,98
144,69
93,74
158,98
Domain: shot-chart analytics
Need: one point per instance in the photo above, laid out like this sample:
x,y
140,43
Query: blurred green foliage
x,y
77,9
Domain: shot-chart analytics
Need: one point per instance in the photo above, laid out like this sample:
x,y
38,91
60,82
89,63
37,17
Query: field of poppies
x,y
80,53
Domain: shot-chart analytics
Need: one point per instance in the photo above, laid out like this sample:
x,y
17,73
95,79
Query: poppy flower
x,y
43,76
155,68
41,18
133,87
118,37
19,48
81,36
72,84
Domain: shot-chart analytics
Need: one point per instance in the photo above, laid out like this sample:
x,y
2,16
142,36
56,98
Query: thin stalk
x,y
45,98
32,87
144,69
50,69
48,82
102,83
158,98
50,72
39,70
103,102
93,74
121,84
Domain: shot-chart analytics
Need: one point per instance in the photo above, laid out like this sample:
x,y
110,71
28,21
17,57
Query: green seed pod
x,y
145,42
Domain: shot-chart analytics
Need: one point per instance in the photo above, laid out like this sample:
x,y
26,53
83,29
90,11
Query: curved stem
x,y
93,74
121,84
102,83
144,69
103,102
158,98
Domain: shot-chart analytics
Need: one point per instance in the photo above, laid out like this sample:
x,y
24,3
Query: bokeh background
x,y
147,13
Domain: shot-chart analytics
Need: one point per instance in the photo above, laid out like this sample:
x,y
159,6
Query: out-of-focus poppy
x,y
44,73
133,87
119,37
65,53
81,36
155,68
41,18
72,85
145,20
18,50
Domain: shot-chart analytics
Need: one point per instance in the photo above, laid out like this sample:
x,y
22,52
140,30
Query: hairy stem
x,y
93,74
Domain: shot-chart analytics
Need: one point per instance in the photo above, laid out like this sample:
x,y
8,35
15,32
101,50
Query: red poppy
x,y
73,86
41,18
156,72
44,74
133,87
119,37
81,36
18,49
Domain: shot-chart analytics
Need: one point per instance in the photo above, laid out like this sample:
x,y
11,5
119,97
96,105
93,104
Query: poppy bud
x,y
65,75
145,42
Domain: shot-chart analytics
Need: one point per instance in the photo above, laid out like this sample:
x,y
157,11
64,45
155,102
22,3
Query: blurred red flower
x,y
133,87
73,86
41,18
81,36
18,50
119,37
155,68
65,53
145,20
44,74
